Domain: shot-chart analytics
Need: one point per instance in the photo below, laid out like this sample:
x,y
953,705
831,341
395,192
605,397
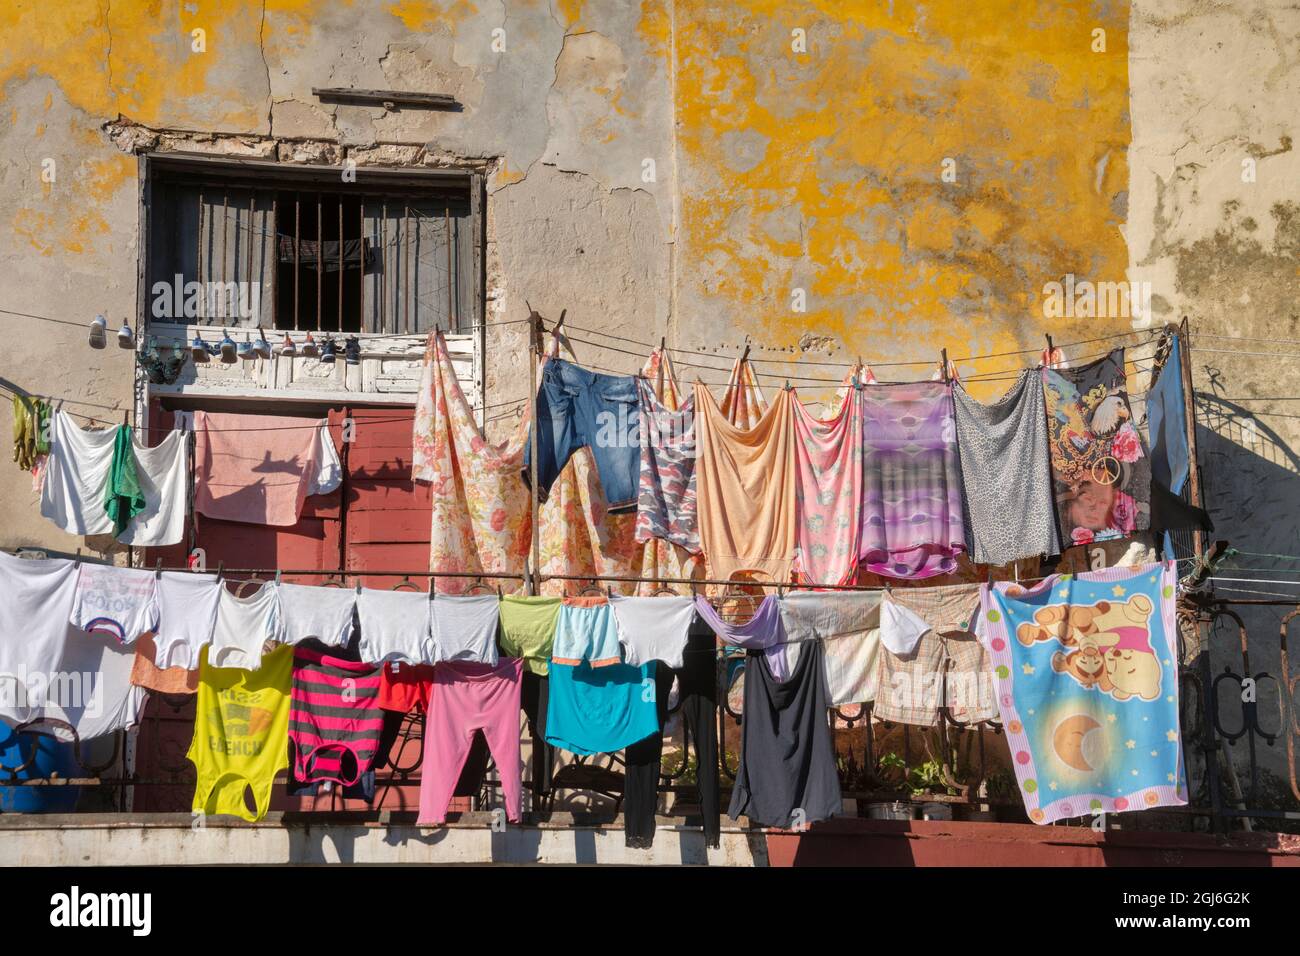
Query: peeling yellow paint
x,y
421,17
656,28
571,11
35,227
506,176
846,145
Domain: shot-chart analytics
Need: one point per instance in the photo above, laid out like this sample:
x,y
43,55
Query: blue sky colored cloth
x,y
1086,676
601,710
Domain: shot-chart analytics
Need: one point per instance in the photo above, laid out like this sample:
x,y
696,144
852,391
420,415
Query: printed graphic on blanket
x,y
1087,683
1101,475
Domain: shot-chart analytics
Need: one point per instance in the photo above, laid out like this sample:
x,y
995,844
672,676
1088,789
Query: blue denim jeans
x,y
576,407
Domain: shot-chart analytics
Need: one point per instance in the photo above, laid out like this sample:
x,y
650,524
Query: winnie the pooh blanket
x,y
1086,676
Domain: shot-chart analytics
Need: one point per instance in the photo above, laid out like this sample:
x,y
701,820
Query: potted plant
x,y
928,778
892,772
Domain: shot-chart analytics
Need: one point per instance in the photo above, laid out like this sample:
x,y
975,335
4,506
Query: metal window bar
x,y
320,244
401,300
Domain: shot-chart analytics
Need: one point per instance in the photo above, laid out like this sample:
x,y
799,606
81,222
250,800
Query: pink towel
x,y
258,469
828,497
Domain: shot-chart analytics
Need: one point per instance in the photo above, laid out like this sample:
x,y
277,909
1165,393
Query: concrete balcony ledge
x,y
169,839
564,838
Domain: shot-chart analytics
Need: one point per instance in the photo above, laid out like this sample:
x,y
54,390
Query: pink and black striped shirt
x,y
334,718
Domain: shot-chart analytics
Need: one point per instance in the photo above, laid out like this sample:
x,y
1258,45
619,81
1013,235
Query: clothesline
x,y
166,430
821,652
1117,336
920,363
796,378
497,575
845,365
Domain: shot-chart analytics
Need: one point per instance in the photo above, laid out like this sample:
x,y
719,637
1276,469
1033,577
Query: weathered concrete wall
x,y
820,167
681,168
562,106
1214,226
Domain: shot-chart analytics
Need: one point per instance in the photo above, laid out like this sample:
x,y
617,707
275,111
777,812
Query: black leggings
x,y
698,691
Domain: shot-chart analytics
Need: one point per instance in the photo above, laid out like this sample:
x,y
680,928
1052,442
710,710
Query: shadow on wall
x,y
1251,484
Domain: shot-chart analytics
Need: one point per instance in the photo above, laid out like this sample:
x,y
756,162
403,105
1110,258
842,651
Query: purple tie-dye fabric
x,y
912,523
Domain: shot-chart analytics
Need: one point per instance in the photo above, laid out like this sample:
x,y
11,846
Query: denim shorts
x,y
576,407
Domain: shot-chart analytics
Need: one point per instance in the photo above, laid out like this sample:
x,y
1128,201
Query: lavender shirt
x,y
763,632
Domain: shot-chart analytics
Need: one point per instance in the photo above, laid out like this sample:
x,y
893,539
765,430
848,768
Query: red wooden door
x,y
375,524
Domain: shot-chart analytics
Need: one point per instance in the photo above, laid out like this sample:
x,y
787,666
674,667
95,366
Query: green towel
x,y
123,499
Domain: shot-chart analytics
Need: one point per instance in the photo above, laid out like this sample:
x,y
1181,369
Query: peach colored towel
x,y
171,680
259,469
745,485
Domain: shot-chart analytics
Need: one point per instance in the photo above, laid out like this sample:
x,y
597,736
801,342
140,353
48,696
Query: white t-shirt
x,y
76,474
653,628
244,625
464,627
316,612
395,626
187,605
120,602
36,599
94,692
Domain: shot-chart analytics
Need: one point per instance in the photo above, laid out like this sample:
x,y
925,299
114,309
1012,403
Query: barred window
x,y
250,243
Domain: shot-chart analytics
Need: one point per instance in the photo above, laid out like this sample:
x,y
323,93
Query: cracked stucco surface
x,y
772,169
1214,89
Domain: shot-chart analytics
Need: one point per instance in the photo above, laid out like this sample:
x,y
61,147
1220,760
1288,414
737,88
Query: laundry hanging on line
x,y
77,476
1101,472
1086,668
1106,631
259,469
1006,473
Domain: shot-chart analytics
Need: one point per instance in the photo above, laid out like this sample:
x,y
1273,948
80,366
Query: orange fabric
x,y
745,486
586,600
743,403
172,680
406,688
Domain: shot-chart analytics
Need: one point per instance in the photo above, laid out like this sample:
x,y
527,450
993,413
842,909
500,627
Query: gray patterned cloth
x,y
1006,473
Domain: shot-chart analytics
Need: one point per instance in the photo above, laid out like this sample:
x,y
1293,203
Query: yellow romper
x,y
241,733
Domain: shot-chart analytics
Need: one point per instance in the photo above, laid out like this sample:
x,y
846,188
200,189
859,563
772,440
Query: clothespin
x,y
609,592
77,560
744,356
944,367
1049,357
157,571
221,569
499,594
659,373
358,586
433,586
277,577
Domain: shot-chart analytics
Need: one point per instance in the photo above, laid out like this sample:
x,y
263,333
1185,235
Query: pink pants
x,y
467,697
